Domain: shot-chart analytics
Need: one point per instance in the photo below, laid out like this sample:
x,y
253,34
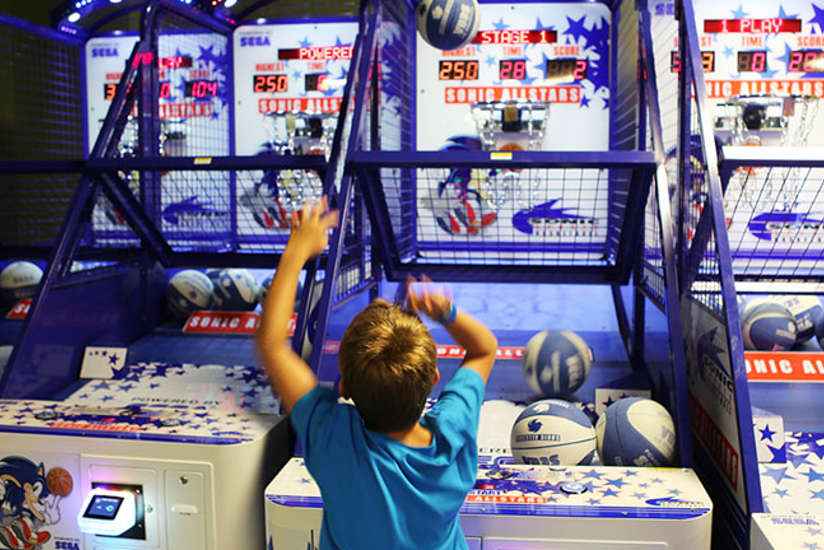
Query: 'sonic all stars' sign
x,y
788,366
227,322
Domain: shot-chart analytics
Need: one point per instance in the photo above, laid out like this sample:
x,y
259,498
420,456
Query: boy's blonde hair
x,y
388,360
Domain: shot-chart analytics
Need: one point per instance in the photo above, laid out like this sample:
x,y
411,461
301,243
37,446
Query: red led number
x,y
806,61
458,70
514,69
270,83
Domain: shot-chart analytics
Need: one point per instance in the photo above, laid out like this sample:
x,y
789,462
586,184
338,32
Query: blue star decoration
x,y
616,482
675,492
500,25
305,43
593,501
739,13
811,546
818,19
609,401
767,433
813,532
593,473
584,103
491,61
611,493
639,496
113,359
630,473
778,474
781,492
728,51
575,27
779,454
812,475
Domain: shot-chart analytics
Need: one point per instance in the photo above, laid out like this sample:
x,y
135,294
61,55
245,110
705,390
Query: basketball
x,y
552,432
819,333
556,362
636,431
806,311
188,291
264,291
448,24
19,280
767,326
59,482
234,290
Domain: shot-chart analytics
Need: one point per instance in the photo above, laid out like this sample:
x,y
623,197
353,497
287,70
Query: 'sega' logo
x,y
105,52
534,425
254,41
770,225
547,220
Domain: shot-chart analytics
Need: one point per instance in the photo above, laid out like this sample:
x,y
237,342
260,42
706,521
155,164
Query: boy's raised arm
x,y
289,375
469,333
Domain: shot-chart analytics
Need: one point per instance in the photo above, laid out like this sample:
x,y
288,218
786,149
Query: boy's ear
x,y
437,377
342,389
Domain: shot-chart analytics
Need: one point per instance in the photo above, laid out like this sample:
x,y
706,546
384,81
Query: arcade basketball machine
x,y
748,133
170,134
472,172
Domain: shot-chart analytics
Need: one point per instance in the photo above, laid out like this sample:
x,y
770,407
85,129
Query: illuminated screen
x,y
458,70
515,37
317,54
569,69
175,62
806,61
707,60
752,62
766,26
312,82
103,507
201,88
514,69
269,83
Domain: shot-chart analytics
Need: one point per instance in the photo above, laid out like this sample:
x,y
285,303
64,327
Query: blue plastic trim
x,y
730,315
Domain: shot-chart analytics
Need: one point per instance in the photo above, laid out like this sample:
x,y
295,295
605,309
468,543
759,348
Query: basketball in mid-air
x,y
448,24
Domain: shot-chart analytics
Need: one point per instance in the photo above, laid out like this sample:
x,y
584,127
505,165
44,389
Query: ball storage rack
x,y
107,218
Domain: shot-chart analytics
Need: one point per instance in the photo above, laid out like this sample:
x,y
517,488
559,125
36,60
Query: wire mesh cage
x,y
42,92
482,198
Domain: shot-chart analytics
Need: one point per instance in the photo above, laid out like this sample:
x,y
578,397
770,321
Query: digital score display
x,y
270,83
569,69
175,62
198,89
512,69
201,89
544,36
313,82
326,53
458,69
752,61
707,60
752,26
806,61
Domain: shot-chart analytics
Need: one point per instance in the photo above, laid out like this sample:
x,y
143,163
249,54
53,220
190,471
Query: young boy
x,y
389,478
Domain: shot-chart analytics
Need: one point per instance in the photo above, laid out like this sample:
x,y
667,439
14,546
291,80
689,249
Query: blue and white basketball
x,y
552,432
806,311
188,291
264,291
19,280
448,24
819,333
768,326
235,289
636,431
556,362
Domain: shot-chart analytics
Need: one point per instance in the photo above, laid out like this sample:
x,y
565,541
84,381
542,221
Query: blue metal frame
x,y
735,521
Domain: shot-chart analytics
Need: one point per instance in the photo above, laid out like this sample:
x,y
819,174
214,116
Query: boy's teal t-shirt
x,y
378,492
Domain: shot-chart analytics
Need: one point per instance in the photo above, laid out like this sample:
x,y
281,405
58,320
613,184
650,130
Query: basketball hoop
x,y
508,126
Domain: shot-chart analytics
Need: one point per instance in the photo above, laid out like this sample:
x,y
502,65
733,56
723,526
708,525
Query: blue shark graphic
x,y
764,225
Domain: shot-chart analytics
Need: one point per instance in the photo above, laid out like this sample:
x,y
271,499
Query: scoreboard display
x,y
529,61
284,68
550,53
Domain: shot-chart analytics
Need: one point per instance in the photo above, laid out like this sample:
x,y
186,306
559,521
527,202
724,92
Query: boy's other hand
x,y
310,228
426,297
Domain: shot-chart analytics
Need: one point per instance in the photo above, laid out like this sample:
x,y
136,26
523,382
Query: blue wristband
x,y
449,315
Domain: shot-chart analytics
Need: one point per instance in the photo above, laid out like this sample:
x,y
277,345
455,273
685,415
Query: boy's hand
x,y
310,228
433,300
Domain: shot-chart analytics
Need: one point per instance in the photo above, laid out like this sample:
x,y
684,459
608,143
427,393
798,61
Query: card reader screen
x,y
103,507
